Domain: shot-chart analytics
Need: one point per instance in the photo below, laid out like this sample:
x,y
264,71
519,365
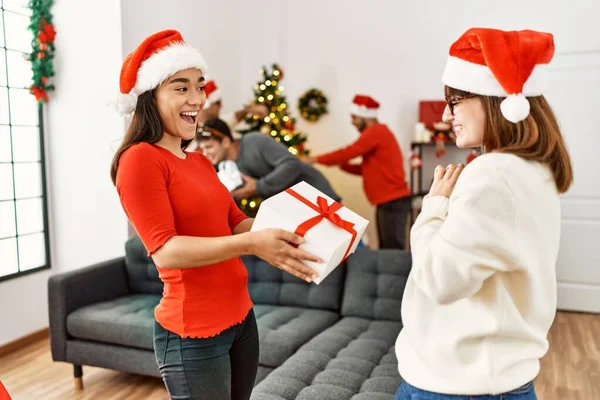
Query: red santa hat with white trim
x,y
511,64
364,106
158,57
213,94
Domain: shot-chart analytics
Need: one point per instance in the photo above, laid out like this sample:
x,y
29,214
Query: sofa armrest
x,y
75,289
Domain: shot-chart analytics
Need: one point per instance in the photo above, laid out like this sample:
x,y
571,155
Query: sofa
x,y
329,341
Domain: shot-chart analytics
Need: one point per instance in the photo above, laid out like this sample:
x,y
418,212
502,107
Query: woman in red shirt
x,y
205,335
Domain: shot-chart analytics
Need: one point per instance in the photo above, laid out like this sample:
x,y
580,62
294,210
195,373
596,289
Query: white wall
x,y
576,77
86,221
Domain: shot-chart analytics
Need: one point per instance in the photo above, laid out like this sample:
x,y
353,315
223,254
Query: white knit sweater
x,y
481,295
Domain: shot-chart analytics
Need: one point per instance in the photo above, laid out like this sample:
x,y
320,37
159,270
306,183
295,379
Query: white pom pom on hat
x,y
515,107
492,62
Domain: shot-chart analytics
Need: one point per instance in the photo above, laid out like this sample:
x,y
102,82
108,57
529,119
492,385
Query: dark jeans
x,y
408,392
391,223
221,367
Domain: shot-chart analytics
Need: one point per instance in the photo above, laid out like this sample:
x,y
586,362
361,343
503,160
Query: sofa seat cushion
x,y
283,330
352,360
127,321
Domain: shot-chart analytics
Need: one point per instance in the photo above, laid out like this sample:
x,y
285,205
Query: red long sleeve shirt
x,y
382,167
163,196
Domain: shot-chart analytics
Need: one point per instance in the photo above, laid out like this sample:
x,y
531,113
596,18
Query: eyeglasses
x,y
454,101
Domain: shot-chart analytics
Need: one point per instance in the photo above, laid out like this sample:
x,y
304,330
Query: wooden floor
x,y
570,370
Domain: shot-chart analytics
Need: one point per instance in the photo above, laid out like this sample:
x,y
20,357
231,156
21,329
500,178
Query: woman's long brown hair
x,y
536,138
145,127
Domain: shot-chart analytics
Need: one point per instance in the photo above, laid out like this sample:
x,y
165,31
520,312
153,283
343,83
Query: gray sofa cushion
x,y
269,285
262,373
352,360
375,282
283,330
126,321
141,271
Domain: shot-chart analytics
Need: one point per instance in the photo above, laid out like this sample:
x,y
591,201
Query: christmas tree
x,y
278,124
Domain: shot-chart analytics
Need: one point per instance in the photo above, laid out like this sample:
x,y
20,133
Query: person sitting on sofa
x,y
267,166
205,333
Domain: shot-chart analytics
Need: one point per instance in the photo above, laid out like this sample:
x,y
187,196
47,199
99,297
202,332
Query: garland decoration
x,y
42,44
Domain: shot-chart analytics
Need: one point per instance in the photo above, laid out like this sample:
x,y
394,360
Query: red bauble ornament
x,y
47,32
50,32
415,161
39,93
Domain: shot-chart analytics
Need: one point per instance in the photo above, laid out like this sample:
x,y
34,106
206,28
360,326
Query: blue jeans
x,y
408,392
221,367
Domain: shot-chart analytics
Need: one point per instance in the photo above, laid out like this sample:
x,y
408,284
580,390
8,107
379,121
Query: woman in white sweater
x,y
481,295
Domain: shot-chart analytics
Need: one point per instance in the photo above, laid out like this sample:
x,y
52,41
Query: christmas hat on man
x,y
158,57
213,94
364,106
492,62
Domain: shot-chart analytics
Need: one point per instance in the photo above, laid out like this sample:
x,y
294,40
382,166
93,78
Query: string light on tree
x,y
277,124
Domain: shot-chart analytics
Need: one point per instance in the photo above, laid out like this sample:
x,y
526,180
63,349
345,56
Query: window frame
x,y
42,161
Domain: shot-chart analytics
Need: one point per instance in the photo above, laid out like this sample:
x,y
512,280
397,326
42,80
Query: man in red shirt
x,y
382,169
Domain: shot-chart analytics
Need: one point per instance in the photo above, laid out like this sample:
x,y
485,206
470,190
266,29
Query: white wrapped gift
x,y
332,230
229,175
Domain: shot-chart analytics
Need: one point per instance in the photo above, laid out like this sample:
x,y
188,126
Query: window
x,y
24,246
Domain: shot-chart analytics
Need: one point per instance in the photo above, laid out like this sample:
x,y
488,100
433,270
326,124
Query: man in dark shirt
x,y
267,167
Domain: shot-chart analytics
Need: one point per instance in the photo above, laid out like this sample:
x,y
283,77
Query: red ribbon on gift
x,y
327,211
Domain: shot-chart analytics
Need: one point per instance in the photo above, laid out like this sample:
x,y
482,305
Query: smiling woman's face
x,y
179,99
468,120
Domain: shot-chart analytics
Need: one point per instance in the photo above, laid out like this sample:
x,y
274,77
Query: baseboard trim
x,y
578,297
17,344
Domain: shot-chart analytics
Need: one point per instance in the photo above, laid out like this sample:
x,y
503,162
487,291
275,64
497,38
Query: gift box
x,y
229,175
331,231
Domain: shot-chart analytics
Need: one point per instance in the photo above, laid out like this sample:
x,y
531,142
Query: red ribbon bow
x,y
327,211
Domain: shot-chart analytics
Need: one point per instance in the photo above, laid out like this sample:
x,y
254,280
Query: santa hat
x,y
213,94
492,62
158,57
364,106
